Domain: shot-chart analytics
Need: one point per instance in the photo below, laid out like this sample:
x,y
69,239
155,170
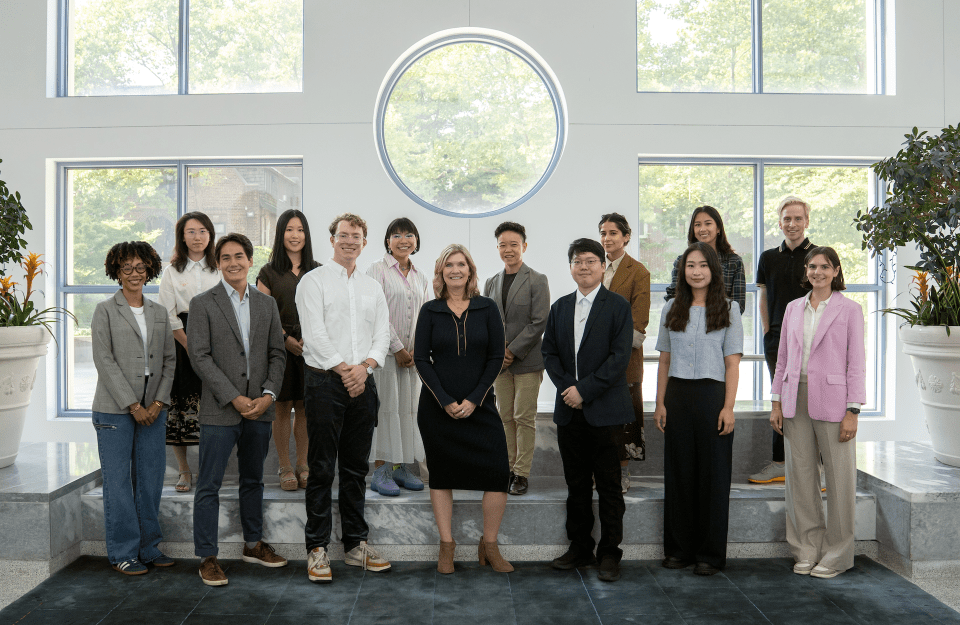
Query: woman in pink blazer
x,y
817,391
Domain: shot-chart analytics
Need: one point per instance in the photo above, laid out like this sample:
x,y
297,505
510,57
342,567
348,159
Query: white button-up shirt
x,y
580,315
177,288
343,318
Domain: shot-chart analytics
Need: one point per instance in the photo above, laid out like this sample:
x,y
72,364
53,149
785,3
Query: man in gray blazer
x,y
236,347
523,297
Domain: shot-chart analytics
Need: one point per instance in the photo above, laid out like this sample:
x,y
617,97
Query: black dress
x,y
459,358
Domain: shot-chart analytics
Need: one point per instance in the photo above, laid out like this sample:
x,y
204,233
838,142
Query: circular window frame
x,y
471,35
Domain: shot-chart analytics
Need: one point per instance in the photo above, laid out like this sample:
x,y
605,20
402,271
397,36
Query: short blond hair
x,y
440,287
790,200
354,220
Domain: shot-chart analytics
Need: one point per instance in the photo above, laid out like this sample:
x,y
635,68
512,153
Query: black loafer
x,y
574,558
519,485
673,562
703,568
609,569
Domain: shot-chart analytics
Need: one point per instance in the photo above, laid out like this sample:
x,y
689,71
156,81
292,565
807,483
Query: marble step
x,y
533,526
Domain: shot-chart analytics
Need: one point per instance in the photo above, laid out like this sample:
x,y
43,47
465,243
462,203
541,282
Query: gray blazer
x,y
118,355
525,316
216,353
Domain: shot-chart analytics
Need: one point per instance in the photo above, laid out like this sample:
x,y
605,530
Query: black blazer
x,y
603,358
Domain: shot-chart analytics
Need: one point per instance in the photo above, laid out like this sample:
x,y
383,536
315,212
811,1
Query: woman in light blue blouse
x,y
700,345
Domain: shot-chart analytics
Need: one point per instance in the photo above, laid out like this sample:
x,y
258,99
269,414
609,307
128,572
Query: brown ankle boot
x,y
445,561
489,553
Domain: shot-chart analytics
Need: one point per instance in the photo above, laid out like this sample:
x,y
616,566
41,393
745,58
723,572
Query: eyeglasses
x,y
397,237
344,237
195,233
593,262
128,269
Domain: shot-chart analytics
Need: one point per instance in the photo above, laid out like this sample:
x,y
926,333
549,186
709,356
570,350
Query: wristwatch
x,y
853,410
369,370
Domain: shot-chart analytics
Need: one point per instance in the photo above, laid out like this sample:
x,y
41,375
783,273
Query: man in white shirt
x,y
346,334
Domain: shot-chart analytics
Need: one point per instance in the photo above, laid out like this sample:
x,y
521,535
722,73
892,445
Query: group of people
x,y
220,364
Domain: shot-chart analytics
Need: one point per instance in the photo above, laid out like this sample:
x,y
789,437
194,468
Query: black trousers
x,y
592,452
771,347
339,431
697,463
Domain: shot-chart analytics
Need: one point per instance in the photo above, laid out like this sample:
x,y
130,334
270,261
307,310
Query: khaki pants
x,y
517,402
830,542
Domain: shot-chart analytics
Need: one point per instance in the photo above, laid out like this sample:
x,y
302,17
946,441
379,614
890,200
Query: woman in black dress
x,y
291,258
458,352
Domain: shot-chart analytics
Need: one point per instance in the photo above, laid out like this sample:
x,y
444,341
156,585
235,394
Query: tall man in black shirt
x,y
779,275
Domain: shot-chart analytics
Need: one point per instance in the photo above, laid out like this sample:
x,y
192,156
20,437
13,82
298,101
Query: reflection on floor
x,y
748,591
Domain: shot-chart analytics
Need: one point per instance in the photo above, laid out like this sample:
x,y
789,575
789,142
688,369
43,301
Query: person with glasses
x,y
192,270
700,344
631,280
133,351
523,297
346,335
290,260
586,351
396,440
818,388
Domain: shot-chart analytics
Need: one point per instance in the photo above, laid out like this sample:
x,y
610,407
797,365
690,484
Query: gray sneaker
x,y
366,557
771,473
383,483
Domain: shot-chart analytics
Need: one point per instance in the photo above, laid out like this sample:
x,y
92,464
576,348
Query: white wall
x,y
349,46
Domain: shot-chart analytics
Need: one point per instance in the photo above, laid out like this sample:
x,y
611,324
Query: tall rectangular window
x,y
761,46
102,204
151,47
746,194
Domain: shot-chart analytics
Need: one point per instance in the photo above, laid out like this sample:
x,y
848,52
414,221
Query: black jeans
x,y
592,452
339,428
771,347
697,463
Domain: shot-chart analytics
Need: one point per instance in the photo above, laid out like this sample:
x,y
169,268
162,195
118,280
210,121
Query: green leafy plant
x,y
16,310
923,207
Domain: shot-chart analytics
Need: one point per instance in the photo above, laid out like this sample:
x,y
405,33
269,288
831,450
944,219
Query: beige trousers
x,y
517,402
828,542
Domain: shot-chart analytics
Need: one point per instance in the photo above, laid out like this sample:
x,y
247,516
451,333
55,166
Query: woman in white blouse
x,y
396,441
192,270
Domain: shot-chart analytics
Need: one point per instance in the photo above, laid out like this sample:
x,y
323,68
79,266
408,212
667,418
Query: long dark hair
x,y
723,246
718,307
279,259
181,254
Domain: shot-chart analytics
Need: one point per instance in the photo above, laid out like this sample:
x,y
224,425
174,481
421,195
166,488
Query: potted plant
x,y
923,207
24,331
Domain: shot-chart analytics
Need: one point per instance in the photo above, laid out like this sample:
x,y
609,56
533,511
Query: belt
x,y
318,370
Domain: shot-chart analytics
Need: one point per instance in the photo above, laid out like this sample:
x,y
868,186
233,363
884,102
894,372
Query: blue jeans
x,y
337,426
252,440
132,461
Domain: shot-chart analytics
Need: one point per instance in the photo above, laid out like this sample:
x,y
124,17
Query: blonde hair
x,y
789,201
440,287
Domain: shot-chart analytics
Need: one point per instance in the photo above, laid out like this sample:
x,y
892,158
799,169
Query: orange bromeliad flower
x,y
6,285
921,281
32,267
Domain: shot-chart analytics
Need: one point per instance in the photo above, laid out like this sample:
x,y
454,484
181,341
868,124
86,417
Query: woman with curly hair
x,y
133,351
700,345
458,353
192,270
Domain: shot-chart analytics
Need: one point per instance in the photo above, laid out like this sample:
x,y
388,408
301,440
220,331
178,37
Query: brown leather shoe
x,y
211,573
489,553
263,554
445,561
519,486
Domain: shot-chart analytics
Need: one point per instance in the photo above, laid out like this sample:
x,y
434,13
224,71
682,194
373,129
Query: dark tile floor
x,y
747,592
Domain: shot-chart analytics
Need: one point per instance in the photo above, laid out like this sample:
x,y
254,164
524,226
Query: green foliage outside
x,y
132,46
470,127
809,46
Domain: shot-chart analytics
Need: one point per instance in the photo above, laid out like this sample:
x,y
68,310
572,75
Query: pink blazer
x,y
836,371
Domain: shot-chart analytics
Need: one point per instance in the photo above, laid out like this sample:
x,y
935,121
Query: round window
x,y
470,122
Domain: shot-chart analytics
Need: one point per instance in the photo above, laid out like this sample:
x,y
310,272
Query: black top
x,y
283,288
780,269
508,279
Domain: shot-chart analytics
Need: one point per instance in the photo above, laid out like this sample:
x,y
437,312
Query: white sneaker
x,y
318,566
823,572
773,472
803,567
366,557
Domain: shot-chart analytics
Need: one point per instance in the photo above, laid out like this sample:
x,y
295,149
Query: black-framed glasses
x,y
128,269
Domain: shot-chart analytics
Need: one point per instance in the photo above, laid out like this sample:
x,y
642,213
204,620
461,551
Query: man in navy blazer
x,y
586,350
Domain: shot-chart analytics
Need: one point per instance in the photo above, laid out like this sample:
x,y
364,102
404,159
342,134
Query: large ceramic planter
x,y
20,352
936,366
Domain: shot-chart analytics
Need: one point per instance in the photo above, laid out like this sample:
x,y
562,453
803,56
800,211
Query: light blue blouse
x,y
695,353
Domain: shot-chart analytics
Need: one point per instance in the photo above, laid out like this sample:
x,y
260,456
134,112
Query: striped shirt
x,y
734,280
405,296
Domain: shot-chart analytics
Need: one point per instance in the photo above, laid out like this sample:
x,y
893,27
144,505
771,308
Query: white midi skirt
x,y
397,437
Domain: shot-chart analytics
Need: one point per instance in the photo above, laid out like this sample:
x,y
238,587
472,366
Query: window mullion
x,y
183,56
756,24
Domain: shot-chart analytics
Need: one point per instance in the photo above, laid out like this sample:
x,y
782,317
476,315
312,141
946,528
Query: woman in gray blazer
x,y
133,351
